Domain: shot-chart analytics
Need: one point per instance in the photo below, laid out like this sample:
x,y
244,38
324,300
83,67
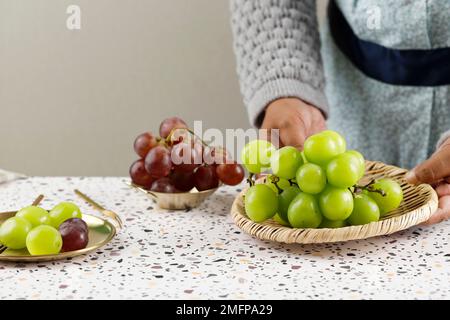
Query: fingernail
x,y
411,177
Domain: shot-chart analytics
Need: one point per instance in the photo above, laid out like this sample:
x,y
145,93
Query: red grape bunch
x,y
178,161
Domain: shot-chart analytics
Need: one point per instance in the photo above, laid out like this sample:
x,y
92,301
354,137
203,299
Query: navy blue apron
x,y
426,68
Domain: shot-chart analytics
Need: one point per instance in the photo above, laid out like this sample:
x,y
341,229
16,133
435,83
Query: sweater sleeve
x,y
277,47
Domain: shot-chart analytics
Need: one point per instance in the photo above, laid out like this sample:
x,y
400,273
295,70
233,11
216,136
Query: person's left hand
x,y
436,171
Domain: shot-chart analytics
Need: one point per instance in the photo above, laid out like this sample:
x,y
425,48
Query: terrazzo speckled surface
x,y
201,254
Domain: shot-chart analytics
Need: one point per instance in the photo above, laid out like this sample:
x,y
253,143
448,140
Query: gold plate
x,y
101,232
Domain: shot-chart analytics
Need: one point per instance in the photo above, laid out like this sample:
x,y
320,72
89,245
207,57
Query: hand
x,y
443,212
436,171
295,119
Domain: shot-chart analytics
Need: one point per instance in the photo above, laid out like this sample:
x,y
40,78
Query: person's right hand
x,y
436,171
295,119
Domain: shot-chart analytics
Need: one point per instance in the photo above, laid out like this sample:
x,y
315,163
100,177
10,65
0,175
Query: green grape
x,y
344,171
63,212
282,183
304,212
340,141
393,195
35,215
256,155
280,220
321,148
361,160
330,224
311,178
285,162
285,199
335,203
13,232
365,210
261,203
44,240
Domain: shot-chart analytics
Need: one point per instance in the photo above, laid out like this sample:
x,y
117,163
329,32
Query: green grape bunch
x,y
317,187
42,232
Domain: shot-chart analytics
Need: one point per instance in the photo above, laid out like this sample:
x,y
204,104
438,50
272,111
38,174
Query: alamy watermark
x,y
213,146
73,21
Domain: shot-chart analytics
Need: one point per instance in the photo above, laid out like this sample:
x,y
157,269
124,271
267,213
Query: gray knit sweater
x,y
280,51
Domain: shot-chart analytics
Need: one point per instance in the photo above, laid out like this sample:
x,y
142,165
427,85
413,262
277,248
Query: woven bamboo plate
x,y
419,203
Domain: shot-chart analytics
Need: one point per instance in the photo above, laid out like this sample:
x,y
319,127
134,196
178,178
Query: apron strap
x,y
426,68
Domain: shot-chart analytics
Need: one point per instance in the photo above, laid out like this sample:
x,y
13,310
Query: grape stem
x,y
166,141
250,180
201,140
354,192
292,183
369,187
275,180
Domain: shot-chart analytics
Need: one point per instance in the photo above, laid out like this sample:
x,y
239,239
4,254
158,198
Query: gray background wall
x,y
71,102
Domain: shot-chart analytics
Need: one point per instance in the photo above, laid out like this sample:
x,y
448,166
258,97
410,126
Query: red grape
x,y
185,167
184,153
164,185
169,124
158,163
74,233
205,178
143,143
216,155
230,174
78,222
139,175
182,177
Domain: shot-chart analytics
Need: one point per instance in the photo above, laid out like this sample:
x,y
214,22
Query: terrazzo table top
x,y
201,254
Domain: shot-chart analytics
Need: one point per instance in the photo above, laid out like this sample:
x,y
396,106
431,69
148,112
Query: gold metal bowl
x,y
101,232
177,201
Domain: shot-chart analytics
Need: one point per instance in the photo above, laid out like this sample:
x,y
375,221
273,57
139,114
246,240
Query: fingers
x,y
290,133
439,216
272,135
443,213
443,190
432,170
300,126
319,123
295,119
293,137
